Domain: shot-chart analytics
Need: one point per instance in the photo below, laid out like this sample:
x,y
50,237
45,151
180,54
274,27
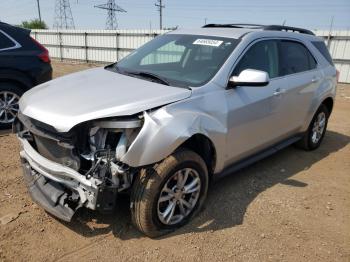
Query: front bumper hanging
x,y
48,194
60,190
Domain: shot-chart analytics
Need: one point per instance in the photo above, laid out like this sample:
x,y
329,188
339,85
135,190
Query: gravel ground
x,y
293,206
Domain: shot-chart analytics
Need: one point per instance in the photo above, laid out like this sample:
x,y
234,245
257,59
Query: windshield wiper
x,y
140,73
150,75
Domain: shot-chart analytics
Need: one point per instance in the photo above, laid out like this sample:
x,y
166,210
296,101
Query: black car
x,y
24,63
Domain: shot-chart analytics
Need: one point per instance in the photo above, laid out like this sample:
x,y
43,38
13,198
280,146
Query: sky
x,y
141,14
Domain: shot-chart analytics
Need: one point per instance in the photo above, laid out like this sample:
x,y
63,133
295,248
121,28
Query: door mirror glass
x,y
249,77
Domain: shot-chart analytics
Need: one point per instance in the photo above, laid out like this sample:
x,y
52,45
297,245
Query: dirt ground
x,y
293,206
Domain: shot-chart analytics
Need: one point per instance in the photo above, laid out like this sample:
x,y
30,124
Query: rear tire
x,y
9,97
159,193
313,137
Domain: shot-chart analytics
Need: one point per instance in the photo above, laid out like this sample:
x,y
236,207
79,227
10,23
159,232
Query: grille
x,y
56,152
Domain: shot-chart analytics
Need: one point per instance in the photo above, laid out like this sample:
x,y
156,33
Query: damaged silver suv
x,y
186,108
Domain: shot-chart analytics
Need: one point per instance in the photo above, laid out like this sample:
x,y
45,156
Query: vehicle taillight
x,y
338,73
44,55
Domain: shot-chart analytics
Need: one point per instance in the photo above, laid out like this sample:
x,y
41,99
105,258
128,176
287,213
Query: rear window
x,y
323,50
295,58
5,42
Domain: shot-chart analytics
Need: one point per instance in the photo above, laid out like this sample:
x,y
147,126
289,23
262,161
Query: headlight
x,y
115,134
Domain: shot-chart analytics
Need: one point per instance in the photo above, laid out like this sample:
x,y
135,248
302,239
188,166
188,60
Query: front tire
x,y
313,137
166,196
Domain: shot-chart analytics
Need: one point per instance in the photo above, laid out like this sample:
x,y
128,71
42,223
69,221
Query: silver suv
x,y
184,109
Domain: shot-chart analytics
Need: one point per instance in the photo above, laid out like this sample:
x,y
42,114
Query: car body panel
x,y
99,93
253,115
168,127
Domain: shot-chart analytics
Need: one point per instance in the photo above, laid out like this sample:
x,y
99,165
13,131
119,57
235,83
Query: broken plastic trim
x,y
116,124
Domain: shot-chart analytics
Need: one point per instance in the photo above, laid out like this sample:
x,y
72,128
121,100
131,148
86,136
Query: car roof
x,y
4,26
239,33
10,28
218,32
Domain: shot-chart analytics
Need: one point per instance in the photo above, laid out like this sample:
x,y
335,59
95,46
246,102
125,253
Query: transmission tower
x,y
112,8
160,9
63,15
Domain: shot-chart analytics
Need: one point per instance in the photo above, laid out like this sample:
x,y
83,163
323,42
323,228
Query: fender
x,y
16,76
167,128
326,90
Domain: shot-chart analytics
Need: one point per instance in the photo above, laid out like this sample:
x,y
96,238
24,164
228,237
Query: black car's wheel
x,y
167,195
9,97
313,137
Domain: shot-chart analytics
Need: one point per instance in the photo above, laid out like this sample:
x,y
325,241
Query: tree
x,y
34,24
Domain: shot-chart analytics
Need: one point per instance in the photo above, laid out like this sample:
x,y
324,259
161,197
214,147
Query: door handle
x,y
279,91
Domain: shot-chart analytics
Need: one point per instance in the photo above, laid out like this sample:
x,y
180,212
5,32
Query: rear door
x,y
298,68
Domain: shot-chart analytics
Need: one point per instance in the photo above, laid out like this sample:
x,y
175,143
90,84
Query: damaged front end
x,y
79,168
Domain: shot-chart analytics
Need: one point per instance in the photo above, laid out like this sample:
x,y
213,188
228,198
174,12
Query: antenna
x,y
112,8
63,15
160,9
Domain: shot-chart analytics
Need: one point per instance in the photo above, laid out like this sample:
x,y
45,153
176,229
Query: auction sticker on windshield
x,y
209,42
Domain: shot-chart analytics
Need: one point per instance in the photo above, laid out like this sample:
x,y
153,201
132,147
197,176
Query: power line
x,y
112,8
63,15
160,9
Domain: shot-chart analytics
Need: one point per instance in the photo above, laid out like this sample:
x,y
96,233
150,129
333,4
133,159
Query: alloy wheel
x,y
179,196
318,127
8,107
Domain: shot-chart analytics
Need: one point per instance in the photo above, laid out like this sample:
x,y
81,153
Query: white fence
x,y
112,45
339,47
93,45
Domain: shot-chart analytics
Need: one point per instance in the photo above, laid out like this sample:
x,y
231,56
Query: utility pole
x,y
38,3
160,6
330,33
112,8
63,15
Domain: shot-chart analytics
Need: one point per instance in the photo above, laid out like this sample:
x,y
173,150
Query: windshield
x,y
178,60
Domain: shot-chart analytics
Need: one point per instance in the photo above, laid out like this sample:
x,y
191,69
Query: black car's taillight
x,y
44,55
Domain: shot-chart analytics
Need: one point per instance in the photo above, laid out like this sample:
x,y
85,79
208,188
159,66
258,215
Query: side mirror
x,y
249,77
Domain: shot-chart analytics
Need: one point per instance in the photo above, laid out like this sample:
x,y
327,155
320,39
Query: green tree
x,y
34,24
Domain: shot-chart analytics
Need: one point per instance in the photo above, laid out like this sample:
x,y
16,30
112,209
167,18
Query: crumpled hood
x,y
93,94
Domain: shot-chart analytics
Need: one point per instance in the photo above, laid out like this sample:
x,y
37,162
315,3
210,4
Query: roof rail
x,y
287,28
263,27
253,26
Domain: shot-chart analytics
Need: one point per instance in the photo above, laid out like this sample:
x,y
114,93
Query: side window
x,y
295,58
323,50
5,42
261,56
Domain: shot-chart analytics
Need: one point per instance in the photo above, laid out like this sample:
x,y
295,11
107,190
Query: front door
x,y
254,111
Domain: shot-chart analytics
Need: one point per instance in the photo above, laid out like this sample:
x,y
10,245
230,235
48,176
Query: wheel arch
x,y
328,102
204,147
17,78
